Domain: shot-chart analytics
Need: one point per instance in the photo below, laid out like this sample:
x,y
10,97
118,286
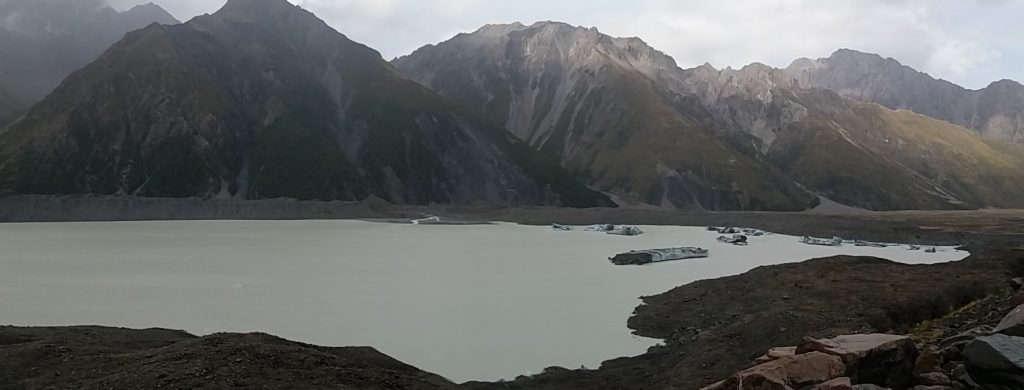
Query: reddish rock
x,y
929,361
843,383
786,373
720,385
870,358
1017,299
775,354
934,379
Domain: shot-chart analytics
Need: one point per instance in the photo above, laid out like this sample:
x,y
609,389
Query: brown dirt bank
x,y
110,358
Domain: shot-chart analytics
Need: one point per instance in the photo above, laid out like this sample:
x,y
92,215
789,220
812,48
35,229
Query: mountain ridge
x,y
996,112
759,115
568,90
264,100
55,37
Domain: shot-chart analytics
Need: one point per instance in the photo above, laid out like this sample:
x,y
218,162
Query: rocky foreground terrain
x,y
108,358
973,347
714,330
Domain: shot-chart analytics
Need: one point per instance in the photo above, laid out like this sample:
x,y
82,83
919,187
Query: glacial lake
x,y
468,302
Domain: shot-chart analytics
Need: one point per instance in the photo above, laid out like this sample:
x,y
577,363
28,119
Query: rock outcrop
x,y
870,358
1013,324
996,361
786,373
835,363
880,361
843,383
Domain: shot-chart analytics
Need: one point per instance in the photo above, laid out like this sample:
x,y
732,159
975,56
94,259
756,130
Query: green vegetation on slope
x,y
863,154
655,147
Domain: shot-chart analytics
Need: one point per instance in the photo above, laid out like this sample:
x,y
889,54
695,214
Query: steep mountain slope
x,y
995,112
601,103
9,107
856,153
44,41
264,100
624,114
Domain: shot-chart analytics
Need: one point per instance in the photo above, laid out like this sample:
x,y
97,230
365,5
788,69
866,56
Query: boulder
x,y
775,354
870,358
843,383
966,336
923,387
1013,323
720,385
952,352
961,377
868,386
933,379
1017,283
996,361
930,360
1017,299
786,373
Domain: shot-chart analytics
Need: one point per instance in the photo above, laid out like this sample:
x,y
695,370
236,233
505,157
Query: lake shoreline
x,y
700,347
940,227
361,282
993,236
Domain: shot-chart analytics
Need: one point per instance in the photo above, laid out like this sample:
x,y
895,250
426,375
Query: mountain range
x,y
45,40
996,112
264,100
639,126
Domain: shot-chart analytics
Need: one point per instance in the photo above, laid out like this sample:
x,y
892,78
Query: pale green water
x,y
467,302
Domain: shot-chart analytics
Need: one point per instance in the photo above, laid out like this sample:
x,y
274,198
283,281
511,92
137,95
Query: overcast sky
x,y
969,42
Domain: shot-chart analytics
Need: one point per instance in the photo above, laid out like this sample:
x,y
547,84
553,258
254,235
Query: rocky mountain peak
x,y
258,10
286,27
803,64
754,81
45,40
855,55
1005,84
255,8
493,30
152,12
